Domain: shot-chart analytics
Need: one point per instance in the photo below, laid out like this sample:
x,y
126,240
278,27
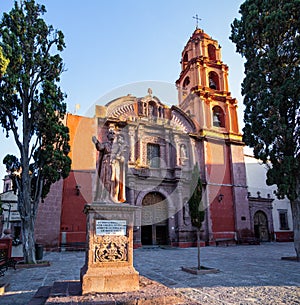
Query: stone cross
x,y
197,19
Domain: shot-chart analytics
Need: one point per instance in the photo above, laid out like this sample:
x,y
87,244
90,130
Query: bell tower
x,y
203,89
203,93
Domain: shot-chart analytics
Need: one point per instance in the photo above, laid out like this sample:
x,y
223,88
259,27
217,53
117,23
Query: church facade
x,y
163,143
160,146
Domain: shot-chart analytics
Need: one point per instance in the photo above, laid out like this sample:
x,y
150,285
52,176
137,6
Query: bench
x,y
6,260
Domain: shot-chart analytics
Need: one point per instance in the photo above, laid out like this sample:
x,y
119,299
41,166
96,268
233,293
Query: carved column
x,y
180,206
192,152
171,224
176,141
167,149
131,144
198,78
140,144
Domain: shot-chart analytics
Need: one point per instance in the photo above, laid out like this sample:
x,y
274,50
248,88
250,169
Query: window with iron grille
x,y
283,220
153,155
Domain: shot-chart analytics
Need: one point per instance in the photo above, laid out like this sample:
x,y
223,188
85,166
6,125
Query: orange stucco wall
x,y
82,148
78,187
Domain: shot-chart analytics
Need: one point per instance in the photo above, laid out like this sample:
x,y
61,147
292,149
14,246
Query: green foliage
x,y
31,105
12,163
268,36
31,97
195,202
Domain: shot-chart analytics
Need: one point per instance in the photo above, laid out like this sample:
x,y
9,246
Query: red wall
x,y
47,226
73,219
218,171
284,236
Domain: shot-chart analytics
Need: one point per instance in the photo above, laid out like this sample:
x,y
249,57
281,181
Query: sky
x,y
120,47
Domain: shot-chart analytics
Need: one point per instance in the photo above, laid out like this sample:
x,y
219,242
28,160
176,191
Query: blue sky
x,y
117,47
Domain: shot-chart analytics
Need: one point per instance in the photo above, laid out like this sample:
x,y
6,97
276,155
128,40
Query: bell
x,y
216,120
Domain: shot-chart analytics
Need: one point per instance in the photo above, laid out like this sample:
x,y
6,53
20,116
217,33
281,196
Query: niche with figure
x,y
183,156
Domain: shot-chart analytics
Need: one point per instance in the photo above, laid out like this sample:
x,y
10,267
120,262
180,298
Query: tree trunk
x,y
25,204
198,246
295,205
28,240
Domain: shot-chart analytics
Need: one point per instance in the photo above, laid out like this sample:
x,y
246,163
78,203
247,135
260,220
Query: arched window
x,y
211,52
186,82
185,60
142,109
160,112
213,79
152,109
218,117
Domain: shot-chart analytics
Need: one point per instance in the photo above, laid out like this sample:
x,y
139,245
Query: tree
x,y
32,109
268,36
196,206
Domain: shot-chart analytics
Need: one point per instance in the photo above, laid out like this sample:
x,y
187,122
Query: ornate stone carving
x,y
111,248
181,121
111,168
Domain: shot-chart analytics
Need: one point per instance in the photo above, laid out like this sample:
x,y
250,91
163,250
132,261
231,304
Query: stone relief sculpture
x,y
111,249
111,168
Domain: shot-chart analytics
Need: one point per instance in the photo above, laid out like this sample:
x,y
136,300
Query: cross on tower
x,y
197,19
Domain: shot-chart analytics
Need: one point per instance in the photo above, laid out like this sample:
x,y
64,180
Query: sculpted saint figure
x,y
118,170
111,168
183,152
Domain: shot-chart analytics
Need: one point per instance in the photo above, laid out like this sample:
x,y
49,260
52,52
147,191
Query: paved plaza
x,y
248,274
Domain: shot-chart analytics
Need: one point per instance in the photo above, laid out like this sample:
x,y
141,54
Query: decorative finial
x,y
150,91
197,19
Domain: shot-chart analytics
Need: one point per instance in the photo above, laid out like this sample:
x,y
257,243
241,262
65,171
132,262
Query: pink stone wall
x,y
47,226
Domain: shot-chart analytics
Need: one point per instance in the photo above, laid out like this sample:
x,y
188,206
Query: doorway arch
x,y
154,222
261,229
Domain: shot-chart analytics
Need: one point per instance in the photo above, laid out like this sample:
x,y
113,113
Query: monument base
x,y
112,280
109,256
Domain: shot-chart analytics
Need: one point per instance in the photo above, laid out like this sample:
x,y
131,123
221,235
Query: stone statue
x,y
118,170
183,152
111,168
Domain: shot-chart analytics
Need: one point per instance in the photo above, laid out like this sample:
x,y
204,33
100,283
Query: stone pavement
x,y
248,274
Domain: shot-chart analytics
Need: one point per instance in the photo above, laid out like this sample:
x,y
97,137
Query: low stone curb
x,y
203,270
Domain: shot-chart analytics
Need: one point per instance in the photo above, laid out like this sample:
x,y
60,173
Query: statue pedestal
x,y
109,256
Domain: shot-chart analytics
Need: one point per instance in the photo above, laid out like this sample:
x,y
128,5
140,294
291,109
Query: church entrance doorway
x,y
261,226
154,229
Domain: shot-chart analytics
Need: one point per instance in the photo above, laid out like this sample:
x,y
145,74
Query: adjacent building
x,y
271,218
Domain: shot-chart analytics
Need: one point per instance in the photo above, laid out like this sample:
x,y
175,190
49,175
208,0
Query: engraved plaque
x,y
110,227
